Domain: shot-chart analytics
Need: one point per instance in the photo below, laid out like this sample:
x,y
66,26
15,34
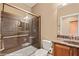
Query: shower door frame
x,y
39,17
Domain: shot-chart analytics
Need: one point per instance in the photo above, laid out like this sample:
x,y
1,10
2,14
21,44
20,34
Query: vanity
x,y
67,43
66,48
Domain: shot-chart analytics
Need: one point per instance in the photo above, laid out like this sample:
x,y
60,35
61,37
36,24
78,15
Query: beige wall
x,y
22,5
48,13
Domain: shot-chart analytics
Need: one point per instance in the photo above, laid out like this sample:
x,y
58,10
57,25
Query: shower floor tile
x,y
27,51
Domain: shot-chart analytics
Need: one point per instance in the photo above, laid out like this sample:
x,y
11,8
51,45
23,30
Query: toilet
x,y
46,47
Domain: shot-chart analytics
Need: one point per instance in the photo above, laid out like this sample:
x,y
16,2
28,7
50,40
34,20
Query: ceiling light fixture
x,y
60,5
64,4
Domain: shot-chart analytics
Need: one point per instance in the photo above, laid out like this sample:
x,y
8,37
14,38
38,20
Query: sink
x,y
72,42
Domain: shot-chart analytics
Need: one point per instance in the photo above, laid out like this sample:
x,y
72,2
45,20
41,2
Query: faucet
x,y
71,37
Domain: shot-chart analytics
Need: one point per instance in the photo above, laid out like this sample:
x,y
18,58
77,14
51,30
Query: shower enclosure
x,y
18,28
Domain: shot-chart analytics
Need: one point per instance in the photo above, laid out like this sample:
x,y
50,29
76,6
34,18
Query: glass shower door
x,y
18,28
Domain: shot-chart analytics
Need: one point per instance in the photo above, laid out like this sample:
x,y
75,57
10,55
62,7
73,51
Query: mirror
x,y
68,19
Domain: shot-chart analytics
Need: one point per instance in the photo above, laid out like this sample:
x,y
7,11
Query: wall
x,y
48,13
21,5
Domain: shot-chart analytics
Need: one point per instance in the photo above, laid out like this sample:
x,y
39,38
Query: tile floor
x,y
27,51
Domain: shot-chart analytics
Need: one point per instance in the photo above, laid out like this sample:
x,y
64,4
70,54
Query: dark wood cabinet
x,y
61,50
64,50
78,52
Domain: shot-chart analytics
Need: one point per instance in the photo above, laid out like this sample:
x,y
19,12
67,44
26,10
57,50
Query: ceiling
x,y
31,4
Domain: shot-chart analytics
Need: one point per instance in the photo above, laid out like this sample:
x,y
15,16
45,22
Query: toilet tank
x,y
46,44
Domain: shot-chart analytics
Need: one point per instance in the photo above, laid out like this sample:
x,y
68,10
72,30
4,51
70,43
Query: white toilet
x,y
46,47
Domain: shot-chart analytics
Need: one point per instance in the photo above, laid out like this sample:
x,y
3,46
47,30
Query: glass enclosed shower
x,y
18,28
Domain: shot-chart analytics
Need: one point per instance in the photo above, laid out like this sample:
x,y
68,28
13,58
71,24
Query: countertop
x,y
60,41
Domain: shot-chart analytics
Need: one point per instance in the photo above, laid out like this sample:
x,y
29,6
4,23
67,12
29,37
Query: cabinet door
x,y
61,50
77,52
